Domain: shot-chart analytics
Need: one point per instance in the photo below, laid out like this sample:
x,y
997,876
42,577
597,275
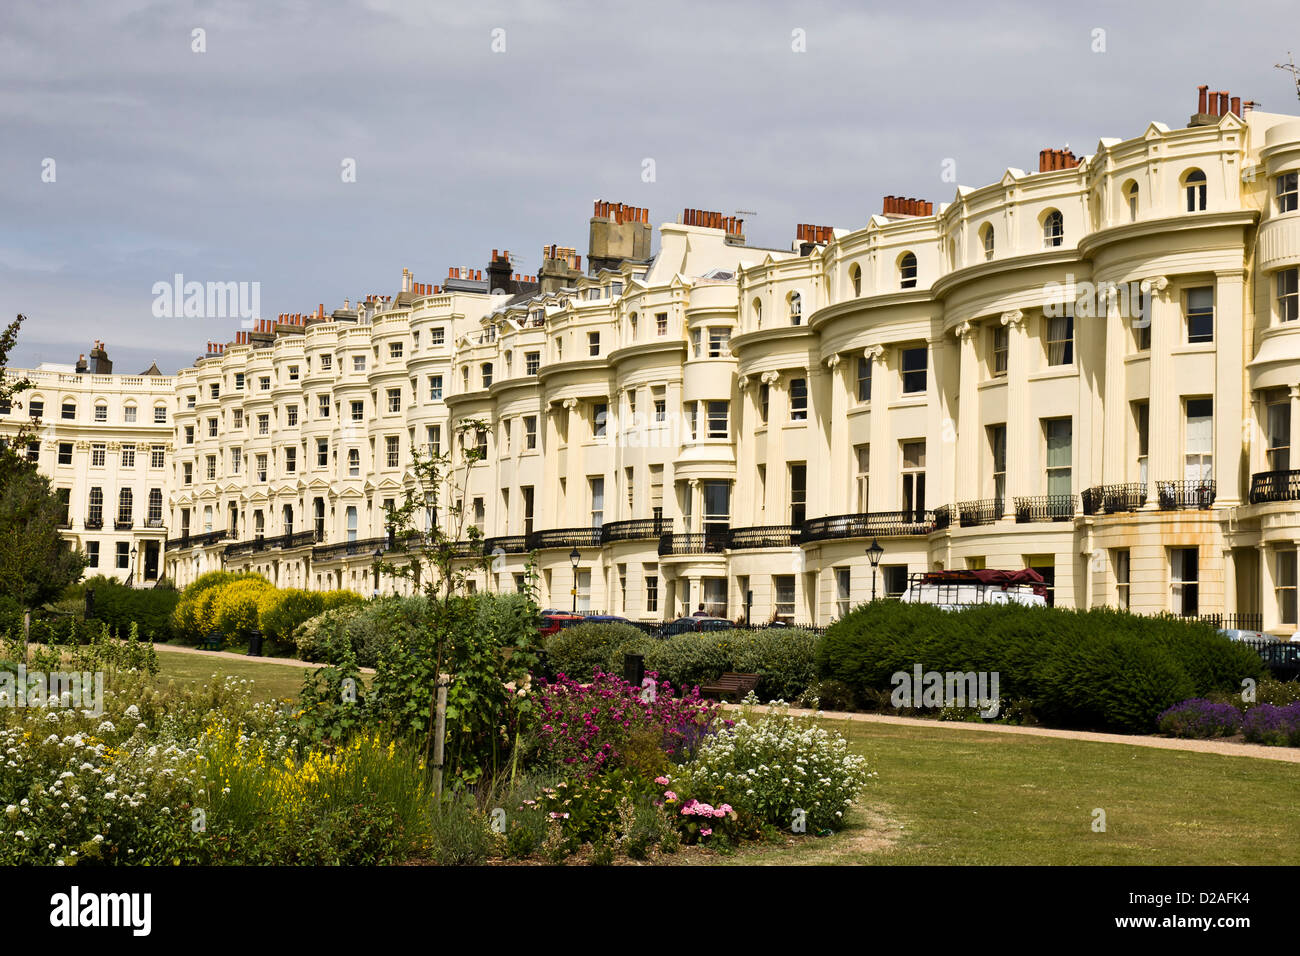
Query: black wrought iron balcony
x,y
763,536
1234,622
1045,508
972,514
1114,499
1274,486
636,529
875,524
364,547
564,538
467,548
94,524
1193,495
709,542
942,517
175,544
506,544
153,522
123,524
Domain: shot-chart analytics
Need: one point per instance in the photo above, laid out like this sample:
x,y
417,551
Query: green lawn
x,y
271,680
947,796
959,797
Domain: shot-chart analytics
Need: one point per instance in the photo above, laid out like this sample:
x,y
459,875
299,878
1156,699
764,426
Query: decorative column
x,y
1294,392
1164,404
1022,458
1229,400
833,450
966,465
567,512
881,462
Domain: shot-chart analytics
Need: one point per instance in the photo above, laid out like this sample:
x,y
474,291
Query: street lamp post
x,y
134,552
378,556
874,554
574,557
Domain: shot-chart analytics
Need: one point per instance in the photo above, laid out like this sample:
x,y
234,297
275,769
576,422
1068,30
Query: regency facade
x,y
1090,369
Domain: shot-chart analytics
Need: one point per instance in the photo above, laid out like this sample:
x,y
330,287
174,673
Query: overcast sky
x,y
227,165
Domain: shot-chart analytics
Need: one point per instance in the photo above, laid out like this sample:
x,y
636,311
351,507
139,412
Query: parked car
x,y
684,624
555,621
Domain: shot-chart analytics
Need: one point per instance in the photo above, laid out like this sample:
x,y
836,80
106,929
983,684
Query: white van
x,y
955,590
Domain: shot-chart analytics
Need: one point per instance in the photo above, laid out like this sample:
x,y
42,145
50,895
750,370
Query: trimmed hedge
x,y
580,650
1095,669
783,657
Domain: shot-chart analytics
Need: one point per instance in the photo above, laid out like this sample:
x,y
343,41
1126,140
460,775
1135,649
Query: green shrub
x,y
784,658
580,650
235,605
119,606
193,615
367,628
327,637
333,599
1096,669
281,610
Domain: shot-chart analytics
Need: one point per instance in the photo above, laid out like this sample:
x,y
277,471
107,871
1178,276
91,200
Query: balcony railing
x,y
1045,508
1194,495
1237,622
205,540
637,529
94,524
344,549
972,514
564,538
875,524
763,536
942,517
1274,486
1114,499
506,544
710,542
123,524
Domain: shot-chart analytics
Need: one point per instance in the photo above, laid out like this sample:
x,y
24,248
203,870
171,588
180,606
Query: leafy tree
x,y
36,563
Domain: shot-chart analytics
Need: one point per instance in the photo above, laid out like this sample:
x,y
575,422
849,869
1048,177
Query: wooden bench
x,y
731,684
210,642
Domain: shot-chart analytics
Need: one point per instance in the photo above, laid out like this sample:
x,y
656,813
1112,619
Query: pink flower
x,y
706,832
662,781
669,795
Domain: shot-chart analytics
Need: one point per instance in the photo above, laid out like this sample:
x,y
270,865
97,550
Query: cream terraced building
x,y
105,442
1091,369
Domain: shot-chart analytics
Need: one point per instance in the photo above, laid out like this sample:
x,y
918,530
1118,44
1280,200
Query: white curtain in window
x,y
1200,441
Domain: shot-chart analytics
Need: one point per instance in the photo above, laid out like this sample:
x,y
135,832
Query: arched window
x,y
1131,197
1194,185
1053,229
907,271
795,301
758,313
855,278
986,237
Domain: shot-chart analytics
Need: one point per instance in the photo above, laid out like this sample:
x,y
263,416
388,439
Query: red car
x,y
555,621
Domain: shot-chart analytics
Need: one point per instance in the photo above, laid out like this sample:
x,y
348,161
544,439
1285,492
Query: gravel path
x,y
230,656
1284,754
